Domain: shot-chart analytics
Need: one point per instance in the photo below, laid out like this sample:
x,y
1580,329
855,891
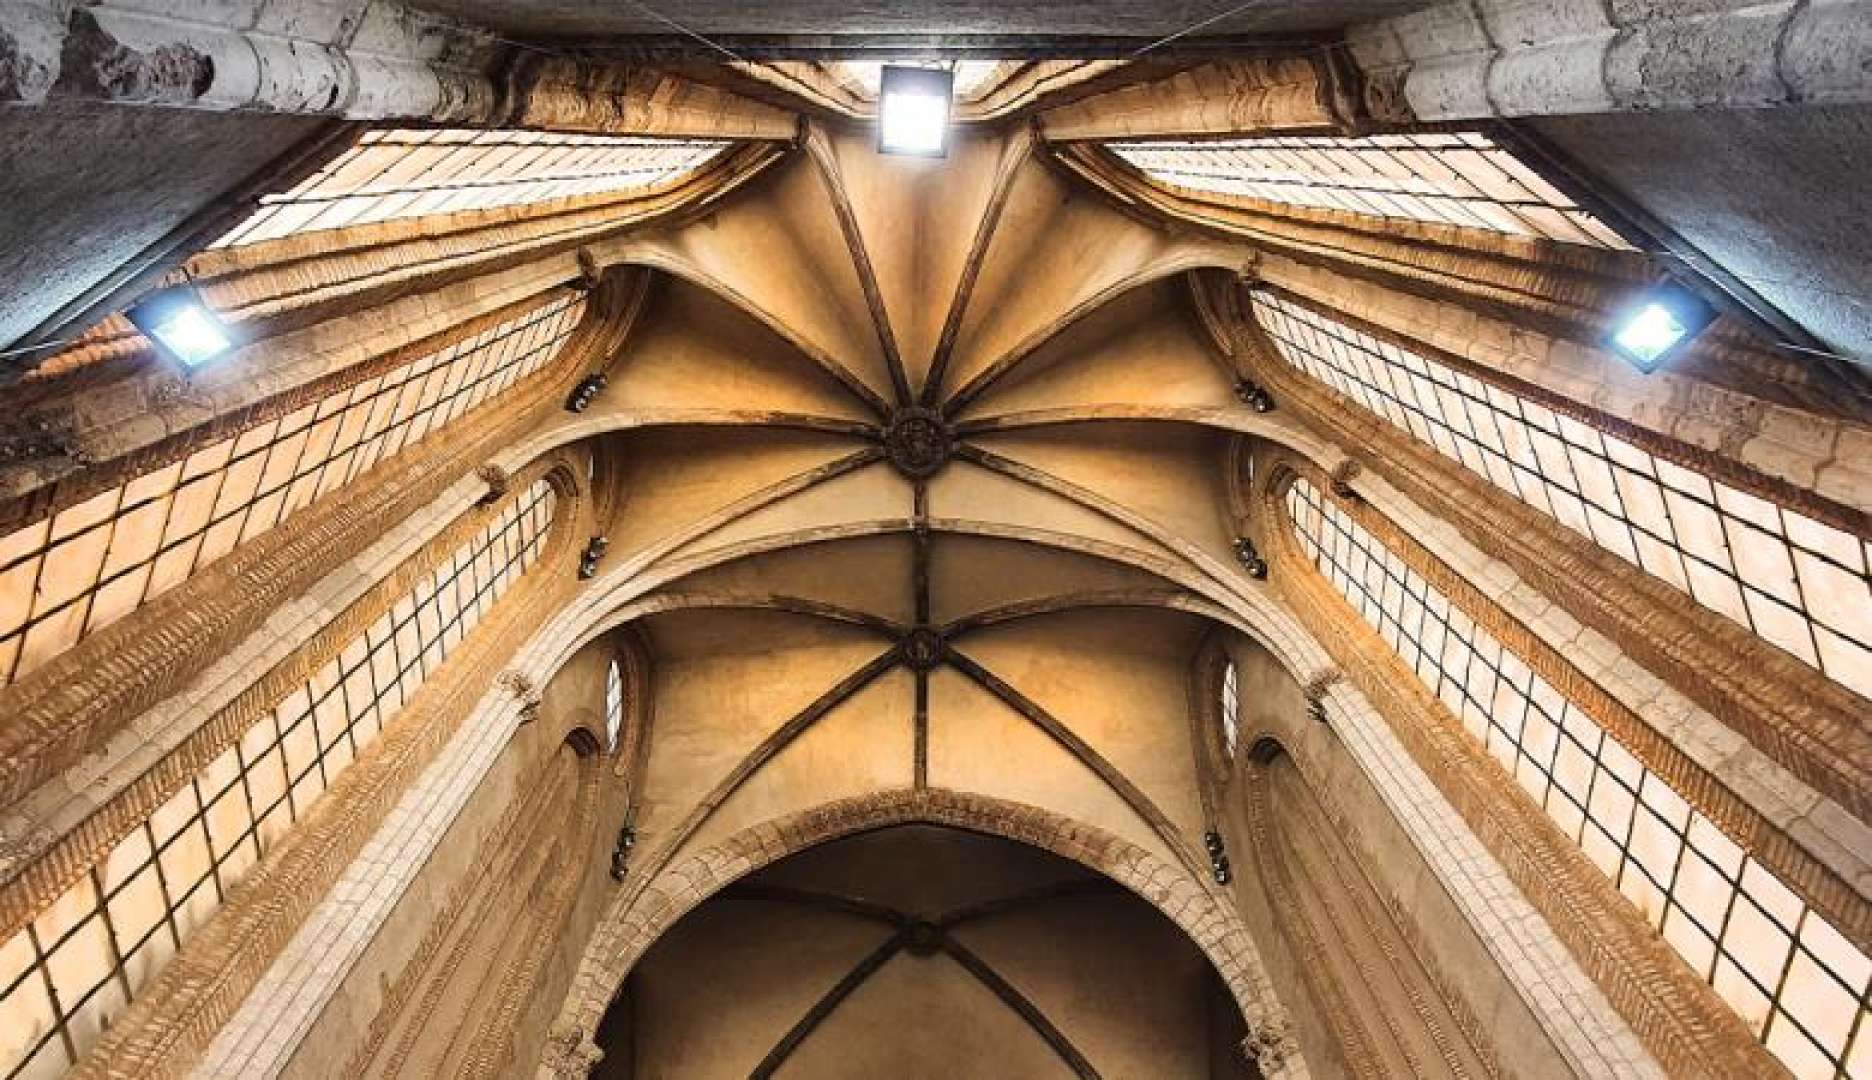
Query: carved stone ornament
x,y
1385,99
918,441
1270,1040
1315,688
1342,476
1314,691
923,649
591,275
570,1055
525,692
497,480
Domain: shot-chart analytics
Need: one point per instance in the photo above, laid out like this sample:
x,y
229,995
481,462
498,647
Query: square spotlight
x,y
181,326
913,111
1658,324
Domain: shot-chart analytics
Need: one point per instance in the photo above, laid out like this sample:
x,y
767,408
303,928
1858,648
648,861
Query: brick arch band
x,y
636,919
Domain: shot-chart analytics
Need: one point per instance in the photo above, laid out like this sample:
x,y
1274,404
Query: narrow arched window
x,y
614,705
1231,710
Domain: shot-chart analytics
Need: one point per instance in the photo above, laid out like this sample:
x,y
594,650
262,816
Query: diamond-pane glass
x,y
1449,178
1799,985
1801,585
76,968
67,577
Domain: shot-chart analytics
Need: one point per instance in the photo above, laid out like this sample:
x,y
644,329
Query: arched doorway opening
x,y
922,950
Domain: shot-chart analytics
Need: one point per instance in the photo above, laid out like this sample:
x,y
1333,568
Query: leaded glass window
x,y
614,705
412,172
1801,585
75,968
1799,986
1231,709
1451,178
66,577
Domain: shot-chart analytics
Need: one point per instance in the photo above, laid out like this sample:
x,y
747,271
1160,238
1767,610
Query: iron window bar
x,y
1798,584
198,845
1722,912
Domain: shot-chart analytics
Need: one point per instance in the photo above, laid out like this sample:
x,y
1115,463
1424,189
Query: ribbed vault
x,y
877,476
922,489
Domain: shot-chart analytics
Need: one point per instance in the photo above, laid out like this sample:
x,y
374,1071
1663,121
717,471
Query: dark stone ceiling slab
x,y
1042,21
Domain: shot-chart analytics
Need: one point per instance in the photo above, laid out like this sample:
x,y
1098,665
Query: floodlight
x,y
1659,323
913,111
183,327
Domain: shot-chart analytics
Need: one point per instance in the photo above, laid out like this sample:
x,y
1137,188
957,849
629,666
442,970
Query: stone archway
x,y
637,918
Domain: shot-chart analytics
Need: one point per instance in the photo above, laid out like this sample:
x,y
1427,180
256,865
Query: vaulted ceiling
x,y
925,484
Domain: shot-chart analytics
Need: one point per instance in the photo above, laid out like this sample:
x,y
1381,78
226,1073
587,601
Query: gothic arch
x,y
637,918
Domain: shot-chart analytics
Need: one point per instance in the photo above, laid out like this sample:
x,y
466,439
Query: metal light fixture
x,y
183,327
1253,395
592,555
1659,324
1250,558
586,392
1218,857
913,111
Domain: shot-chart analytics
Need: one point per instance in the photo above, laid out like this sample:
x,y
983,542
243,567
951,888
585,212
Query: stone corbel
x,y
1314,691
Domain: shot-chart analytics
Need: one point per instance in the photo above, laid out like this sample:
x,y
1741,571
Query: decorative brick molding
x,y
75,702
1679,1018
1716,416
1795,719
633,924
1559,994
1280,870
42,870
1796,457
1639,615
539,811
1563,289
177,1016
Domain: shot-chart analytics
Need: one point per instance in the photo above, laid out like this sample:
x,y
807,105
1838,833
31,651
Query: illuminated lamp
x,y
1658,324
913,111
181,326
